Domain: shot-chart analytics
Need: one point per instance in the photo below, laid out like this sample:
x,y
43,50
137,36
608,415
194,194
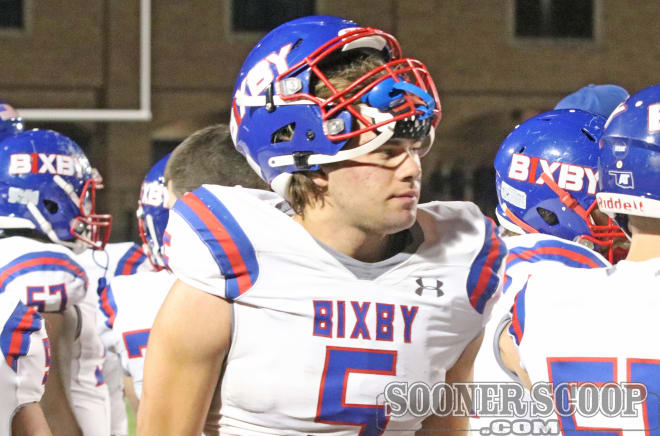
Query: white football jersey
x,y
43,275
317,336
594,326
90,393
527,254
25,357
138,298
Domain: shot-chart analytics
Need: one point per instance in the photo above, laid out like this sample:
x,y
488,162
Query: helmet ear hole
x,y
51,206
588,135
283,134
548,216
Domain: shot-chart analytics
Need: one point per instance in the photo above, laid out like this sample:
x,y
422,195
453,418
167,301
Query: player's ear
x,y
320,178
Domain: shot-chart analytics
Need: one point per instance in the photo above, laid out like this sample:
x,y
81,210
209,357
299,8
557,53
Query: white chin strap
x,y
507,224
385,134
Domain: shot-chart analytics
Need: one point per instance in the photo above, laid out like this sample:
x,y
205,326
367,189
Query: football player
x,y
24,366
586,326
11,122
546,181
47,210
308,318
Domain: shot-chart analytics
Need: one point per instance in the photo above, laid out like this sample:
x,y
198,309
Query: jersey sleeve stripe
x,y
555,250
130,261
40,261
15,339
108,306
483,278
517,327
229,245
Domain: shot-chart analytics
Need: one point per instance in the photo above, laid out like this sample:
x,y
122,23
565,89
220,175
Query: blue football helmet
x,y
546,178
48,185
274,91
629,164
153,213
11,122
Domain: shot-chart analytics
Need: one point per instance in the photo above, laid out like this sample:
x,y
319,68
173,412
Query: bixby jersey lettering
x,y
25,357
313,346
43,275
593,326
136,300
528,254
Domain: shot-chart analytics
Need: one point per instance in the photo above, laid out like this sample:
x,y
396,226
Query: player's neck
x,y
644,246
352,241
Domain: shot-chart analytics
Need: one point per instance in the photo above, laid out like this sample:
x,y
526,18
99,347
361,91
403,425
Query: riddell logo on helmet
x,y
613,203
42,163
571,177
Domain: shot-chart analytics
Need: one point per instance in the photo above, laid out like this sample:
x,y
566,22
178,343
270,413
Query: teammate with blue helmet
x,y
47,185
546,179
610,313
11,122
153,212
47,210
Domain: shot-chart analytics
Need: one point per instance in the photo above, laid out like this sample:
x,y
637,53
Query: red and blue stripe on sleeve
x,y
517,327
15,337
483,279
108,306
568,254
227,242
40,261
130,261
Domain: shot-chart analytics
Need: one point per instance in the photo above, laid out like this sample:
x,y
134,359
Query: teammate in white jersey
x,y
96,385
25,361
360,288
546,185
597,326
47,193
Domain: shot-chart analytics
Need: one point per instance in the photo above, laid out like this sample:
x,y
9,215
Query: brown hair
x,y
341,69
208,156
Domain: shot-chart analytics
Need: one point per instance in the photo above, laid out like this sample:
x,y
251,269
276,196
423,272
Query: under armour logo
x,y
429,285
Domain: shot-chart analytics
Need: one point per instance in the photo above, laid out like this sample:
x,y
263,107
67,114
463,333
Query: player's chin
x,y
402,219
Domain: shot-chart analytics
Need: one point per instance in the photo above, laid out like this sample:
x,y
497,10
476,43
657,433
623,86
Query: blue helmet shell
x,y
153,212
629,164
564,142
35,165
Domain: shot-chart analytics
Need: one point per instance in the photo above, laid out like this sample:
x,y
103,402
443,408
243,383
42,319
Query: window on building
x,y
11,14
264,15
554,19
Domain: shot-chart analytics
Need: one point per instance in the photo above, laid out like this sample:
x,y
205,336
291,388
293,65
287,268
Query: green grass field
x,y
131,420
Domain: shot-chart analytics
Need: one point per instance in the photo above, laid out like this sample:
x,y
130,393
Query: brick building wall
x,y
84,54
